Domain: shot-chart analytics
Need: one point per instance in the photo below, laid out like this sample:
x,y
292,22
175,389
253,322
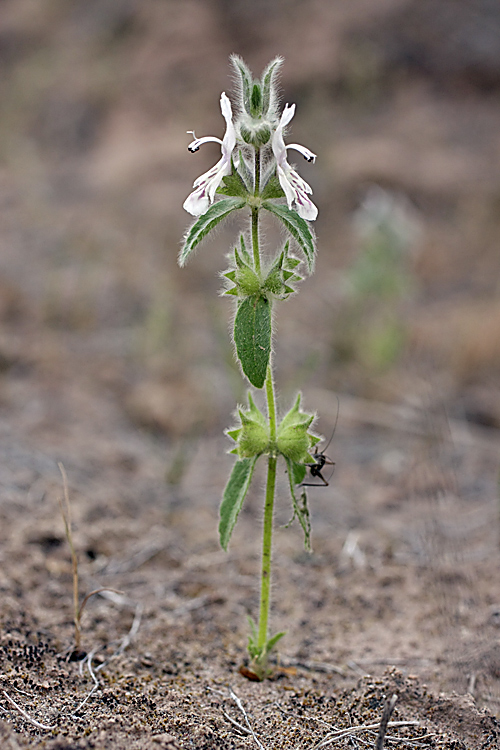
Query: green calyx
x,y
257,98
281,276
255,132
252,438
257,101
275,282
294,441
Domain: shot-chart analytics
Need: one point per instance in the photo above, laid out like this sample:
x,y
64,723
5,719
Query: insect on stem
x,y
321,460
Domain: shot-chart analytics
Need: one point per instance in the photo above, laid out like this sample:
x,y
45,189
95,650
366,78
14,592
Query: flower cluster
x,y
258,126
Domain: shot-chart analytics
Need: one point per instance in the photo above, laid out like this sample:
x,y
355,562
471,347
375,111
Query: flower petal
x,y
295,188
206,185
308,155
195,145
197,202
287,115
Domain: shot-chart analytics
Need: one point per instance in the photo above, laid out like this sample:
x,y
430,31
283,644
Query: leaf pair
x,y
218,211
259,654
236,491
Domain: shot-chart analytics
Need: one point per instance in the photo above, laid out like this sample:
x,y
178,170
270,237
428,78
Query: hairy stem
x,y
265,587
255,215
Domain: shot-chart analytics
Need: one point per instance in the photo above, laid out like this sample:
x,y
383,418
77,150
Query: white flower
x,y
205,186
295,188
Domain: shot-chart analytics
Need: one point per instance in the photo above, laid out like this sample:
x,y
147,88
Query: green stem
x,y
255,215
265,587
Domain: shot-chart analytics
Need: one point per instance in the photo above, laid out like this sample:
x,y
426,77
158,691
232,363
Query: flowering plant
x,y
253,174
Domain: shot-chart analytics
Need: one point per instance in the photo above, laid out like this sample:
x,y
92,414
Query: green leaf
x,y
234,495
234,434
272,189
233,185
252,336
237,259
253,638
298,228
291,262
244,252
253,627
271,643
206,222
299,472
244,171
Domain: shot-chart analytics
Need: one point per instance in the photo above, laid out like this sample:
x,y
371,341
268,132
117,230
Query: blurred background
x,y
400,99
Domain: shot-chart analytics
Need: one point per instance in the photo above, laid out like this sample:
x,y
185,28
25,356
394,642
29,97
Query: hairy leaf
x,y
272,189
234,495
233,185
252,336
298,228
206,222
273,640
299,472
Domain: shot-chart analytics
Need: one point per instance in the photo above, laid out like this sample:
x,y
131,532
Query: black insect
x,y
320,461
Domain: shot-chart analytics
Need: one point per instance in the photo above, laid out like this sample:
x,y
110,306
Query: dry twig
x,y
388,709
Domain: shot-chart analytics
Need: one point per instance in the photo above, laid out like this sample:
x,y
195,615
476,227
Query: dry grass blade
x,y
134,628
29,718
238,726
247,722
90,595
78,609
126,640
66,514
340,733
94,688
